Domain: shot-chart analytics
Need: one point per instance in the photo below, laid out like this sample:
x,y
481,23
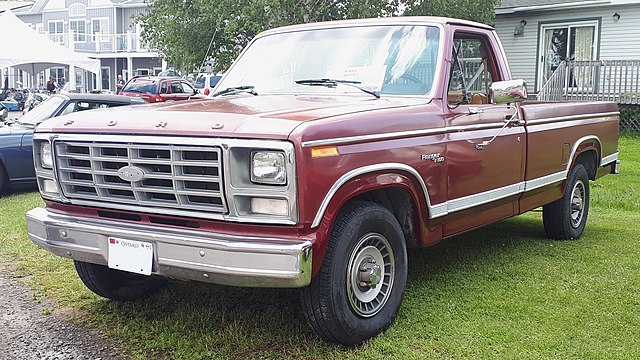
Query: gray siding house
x,y
100,29
573,49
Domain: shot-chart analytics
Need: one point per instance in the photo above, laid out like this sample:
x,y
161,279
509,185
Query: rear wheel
x,y
3,179
359,289
566,217
115,284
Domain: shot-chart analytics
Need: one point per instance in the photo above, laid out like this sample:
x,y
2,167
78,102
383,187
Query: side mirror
x,y
510,91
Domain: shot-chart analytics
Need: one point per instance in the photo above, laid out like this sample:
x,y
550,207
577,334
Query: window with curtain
x,y
569,42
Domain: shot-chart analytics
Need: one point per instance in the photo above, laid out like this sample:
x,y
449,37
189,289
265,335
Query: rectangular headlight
x,y
46,158
268,167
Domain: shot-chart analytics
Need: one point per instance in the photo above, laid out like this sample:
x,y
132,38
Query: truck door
x,y
484,156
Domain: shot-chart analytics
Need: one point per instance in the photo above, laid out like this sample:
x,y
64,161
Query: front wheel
x,y
566,217
115,284
359,289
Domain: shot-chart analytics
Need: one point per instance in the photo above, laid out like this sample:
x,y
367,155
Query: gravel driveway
x,y
27,333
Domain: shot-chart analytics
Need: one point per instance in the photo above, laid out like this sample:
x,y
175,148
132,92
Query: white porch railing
x,y
101,43
606,80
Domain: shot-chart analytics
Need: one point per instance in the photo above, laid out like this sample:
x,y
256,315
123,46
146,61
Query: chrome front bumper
x,y
179,253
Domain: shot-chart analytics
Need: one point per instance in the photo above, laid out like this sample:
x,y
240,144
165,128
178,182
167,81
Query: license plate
x,y
130,255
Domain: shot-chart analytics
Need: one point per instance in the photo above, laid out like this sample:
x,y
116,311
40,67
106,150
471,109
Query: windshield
x,y
41,112
142,86
388,59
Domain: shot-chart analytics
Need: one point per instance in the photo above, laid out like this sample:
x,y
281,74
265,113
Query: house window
x,y
100,30
57,73
573,41
79,28
105,77
56,30
77,10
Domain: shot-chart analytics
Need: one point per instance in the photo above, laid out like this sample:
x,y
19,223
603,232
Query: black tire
x,y
565,218
4,179
331,304
115,284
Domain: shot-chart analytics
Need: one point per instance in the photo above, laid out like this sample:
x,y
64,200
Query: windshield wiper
x,y
334,82
237,89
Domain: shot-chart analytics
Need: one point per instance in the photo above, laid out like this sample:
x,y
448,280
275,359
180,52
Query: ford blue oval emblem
x,y
131,173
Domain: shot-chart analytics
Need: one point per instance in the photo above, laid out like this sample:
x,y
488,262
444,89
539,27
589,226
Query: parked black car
x,y
16,137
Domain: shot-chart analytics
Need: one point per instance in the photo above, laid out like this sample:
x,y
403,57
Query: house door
x,y
574,41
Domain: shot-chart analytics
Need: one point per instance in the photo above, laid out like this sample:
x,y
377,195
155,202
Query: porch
x,y
601,80
598,80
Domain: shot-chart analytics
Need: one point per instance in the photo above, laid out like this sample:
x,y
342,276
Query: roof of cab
x,y
396,20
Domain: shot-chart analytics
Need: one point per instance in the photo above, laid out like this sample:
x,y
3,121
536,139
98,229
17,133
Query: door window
x,y
176,87
187,89
163,88
471,72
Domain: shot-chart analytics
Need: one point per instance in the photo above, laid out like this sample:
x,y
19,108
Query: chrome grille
x,y
179,178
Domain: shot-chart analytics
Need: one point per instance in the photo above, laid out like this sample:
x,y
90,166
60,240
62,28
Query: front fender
x,y
362,184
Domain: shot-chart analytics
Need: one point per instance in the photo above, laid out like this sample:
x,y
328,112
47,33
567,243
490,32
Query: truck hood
x,y
264,116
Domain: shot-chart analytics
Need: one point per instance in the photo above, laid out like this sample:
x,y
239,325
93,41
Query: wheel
x,y
3,179
115,284
360,286
566,217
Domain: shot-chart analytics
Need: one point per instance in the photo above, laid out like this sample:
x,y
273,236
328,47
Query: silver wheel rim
x,y
578,198
370,275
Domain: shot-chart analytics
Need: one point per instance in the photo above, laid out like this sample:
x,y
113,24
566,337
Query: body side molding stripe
x,y
544,180
444,130
484,197
399,134
609,159
571,117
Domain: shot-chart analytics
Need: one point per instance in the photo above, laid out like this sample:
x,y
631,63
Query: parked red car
x,y
158,89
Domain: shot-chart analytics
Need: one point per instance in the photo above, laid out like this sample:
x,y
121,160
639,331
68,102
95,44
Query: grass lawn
x,y
501,292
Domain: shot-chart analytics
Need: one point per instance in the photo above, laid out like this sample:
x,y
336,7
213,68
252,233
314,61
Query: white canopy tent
x,y
25,49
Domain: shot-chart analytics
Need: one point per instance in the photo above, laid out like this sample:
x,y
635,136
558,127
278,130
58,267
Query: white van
x,y
206,82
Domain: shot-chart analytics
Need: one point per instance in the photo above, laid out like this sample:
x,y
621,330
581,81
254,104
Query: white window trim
x,y
104,34
59,36
56,22
108,30
77,34
559,25
77,5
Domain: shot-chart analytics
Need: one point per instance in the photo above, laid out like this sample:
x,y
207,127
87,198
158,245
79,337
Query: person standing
x,y
119,84
51,85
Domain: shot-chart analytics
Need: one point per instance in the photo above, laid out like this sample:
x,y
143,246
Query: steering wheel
x,y
411,78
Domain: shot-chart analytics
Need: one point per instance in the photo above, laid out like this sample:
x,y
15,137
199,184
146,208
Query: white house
x,y
100,29
596,41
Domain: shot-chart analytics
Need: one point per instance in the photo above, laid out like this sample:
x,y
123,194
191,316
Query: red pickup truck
x,y
327,151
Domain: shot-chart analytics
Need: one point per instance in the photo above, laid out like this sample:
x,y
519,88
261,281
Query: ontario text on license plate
x,y
130,255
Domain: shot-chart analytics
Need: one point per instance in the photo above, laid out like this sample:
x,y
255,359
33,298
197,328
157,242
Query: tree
x,y
476,10
188,32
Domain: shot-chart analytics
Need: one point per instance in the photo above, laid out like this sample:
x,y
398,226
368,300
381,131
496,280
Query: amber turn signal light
x,y
324,151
